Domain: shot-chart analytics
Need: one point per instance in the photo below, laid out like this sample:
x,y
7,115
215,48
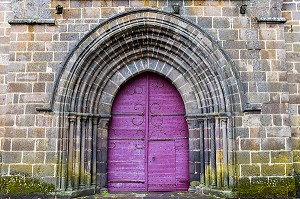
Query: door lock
x,y
152,159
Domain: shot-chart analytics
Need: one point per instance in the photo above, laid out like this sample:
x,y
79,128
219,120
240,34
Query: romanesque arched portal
x,y
123,47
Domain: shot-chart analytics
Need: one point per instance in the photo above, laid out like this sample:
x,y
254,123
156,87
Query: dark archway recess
x,y
123,47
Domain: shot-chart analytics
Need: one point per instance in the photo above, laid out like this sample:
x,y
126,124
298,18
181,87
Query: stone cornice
x,y
32,21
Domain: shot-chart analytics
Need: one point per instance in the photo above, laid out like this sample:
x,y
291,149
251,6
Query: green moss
x,y
297,184
262,187
195,183
20,184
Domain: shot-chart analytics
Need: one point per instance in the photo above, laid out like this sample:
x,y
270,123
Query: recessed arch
x,y
127,45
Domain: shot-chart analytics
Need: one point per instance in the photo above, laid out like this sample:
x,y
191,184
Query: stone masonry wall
x,y
5,13
259,51
291,11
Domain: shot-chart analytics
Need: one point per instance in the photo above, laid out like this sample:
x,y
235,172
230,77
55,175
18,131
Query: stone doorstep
x,y
90,194
216,192
152,195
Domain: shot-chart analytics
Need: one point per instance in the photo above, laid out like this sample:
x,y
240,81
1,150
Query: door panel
x,y
148,137
161,166
126,165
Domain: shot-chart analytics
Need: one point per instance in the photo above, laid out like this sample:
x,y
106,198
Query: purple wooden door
x,y
148,138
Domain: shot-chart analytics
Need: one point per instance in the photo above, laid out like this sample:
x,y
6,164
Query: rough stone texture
x,y
291,32
5,15
265,57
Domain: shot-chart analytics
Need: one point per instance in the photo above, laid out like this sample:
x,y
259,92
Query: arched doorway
x,y
148,137
118,50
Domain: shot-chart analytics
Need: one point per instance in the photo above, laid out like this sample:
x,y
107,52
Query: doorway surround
x,y
119,49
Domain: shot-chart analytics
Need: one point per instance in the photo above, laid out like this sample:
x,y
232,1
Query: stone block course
x,y
260,157
250,144
33,157
281,157
212,11
20,168
23,56
43,170
72,13
23,145
36,46
19,87
273,144
108,12
250,170
221,22
193,11
25,120
273,169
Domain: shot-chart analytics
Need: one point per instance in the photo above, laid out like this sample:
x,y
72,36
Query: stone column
x,y
194,164
72,123
101,180
76,149
207,152
82,151
213,152
88,151
94,150
223,126
202,158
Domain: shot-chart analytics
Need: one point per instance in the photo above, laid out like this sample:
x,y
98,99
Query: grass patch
x,y
20,184
266,188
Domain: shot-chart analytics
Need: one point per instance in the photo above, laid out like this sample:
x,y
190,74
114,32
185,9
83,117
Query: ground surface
x,y
165,195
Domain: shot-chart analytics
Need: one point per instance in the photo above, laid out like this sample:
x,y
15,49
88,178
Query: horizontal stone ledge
x,y
271,19
77,114
43,109
252,108
32,21
213,114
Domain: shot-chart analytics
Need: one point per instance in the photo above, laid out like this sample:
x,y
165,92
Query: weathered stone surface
x,y
281,157
243,157
43,170
250,144
250,170
23,144
260,157
273,144
21,168
11,157
273,169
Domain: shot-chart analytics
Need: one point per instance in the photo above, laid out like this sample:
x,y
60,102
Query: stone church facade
x,y
235,64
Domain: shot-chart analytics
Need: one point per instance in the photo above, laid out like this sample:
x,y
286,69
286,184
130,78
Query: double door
x,y
148,137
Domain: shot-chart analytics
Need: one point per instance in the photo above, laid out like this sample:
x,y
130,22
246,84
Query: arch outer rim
x,y
71,54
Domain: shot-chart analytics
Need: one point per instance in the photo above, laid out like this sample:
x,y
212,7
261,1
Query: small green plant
x,y
105,192
195,183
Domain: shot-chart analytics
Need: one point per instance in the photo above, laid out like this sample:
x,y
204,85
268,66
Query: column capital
x,y
72,118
